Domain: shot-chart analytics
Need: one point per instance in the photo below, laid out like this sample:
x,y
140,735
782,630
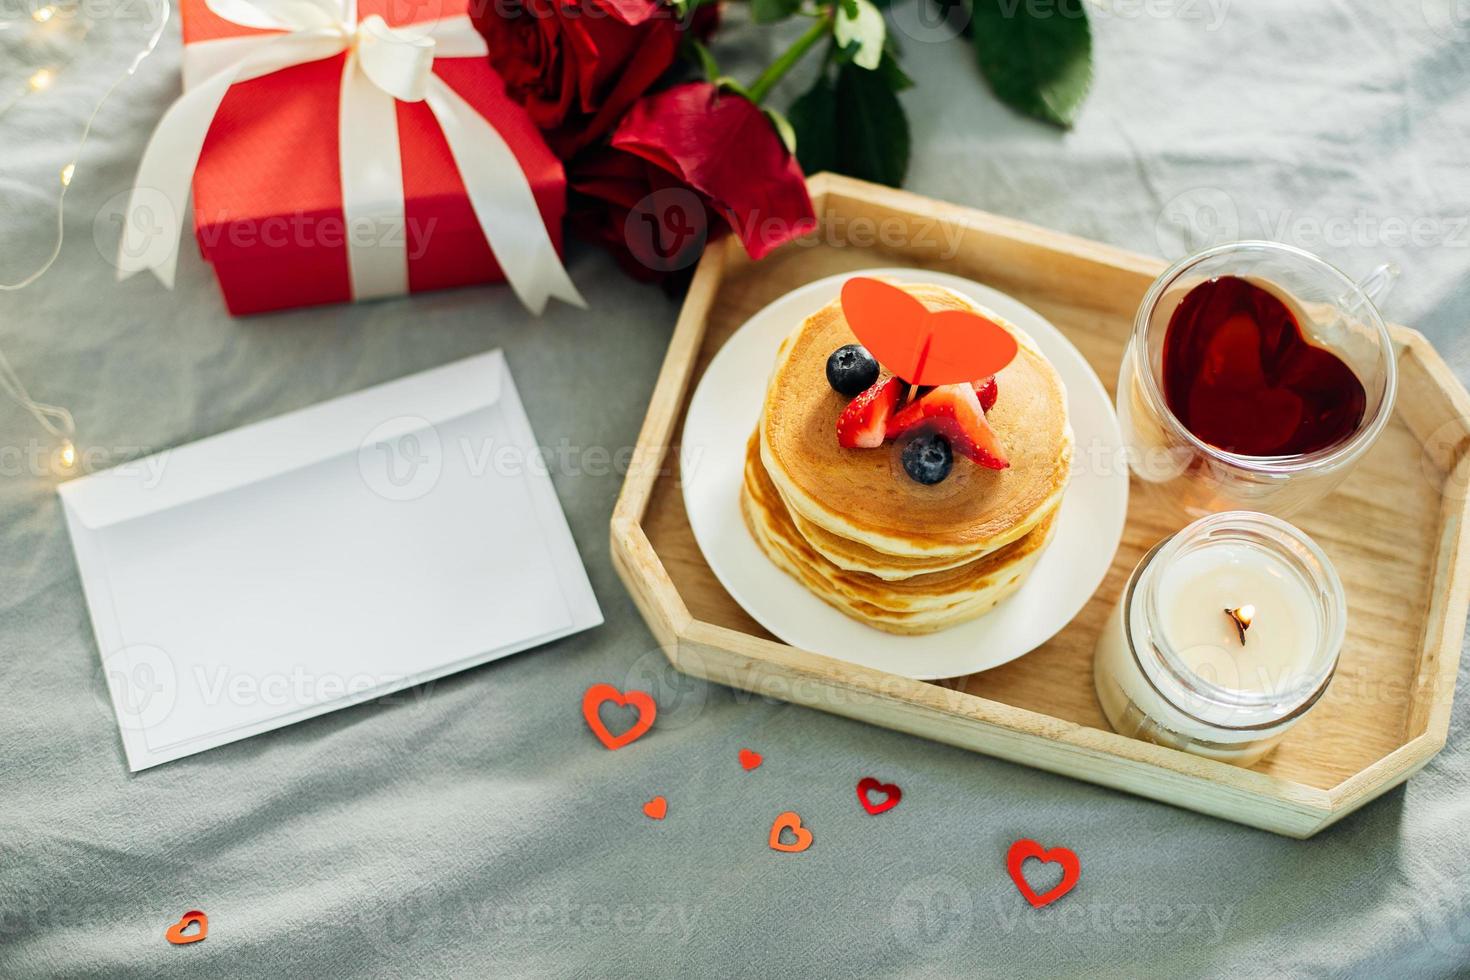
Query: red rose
x,y
684,166
576,65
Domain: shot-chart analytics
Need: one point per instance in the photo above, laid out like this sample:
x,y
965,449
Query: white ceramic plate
x,y
723,414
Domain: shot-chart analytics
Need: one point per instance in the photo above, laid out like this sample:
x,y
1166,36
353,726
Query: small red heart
x,y
1022,850
656,808
599,693
923,347
792,822
750,760
868,785
194,917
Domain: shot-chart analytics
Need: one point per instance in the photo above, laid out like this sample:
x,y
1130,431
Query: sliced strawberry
x,y
906,418
864,421
987,391
954,412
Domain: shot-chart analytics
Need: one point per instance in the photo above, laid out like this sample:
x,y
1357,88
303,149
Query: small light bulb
x,y
68,454
41,79
66,173
42,14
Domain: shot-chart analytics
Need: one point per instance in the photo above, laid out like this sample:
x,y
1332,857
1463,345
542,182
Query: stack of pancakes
x,y
852,527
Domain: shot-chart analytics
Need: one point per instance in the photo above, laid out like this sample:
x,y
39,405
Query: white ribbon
x,y
383,64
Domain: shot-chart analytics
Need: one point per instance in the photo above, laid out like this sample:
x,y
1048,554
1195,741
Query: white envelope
x,y
322,558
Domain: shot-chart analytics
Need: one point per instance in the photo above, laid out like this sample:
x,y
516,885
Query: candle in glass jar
x,y
1225,636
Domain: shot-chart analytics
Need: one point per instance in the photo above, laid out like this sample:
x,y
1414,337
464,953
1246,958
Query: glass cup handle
x,y
1374,287
1379,283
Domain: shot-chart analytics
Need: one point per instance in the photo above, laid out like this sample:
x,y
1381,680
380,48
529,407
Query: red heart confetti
x,y
920,346
792,822
868,785
750,760
655,808
193,917
598,694
1023,850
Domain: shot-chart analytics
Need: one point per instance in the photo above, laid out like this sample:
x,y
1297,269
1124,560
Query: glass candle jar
x,y
1225,636
1186,477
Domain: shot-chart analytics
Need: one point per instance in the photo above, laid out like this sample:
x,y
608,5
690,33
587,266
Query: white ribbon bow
x,y
383,64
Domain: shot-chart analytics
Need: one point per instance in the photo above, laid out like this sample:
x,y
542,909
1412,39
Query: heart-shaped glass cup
x,y
1186,477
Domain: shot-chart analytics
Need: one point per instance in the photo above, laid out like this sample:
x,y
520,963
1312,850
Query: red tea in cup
x,y
1240,375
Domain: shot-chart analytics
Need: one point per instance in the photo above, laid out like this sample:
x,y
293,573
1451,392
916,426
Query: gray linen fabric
x,y
473,827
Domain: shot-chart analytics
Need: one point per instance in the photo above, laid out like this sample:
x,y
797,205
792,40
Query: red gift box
x,y
268,199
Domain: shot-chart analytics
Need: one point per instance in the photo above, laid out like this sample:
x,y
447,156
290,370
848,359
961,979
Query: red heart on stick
x,y
1022,850
175,932
599,693
868,785
920,346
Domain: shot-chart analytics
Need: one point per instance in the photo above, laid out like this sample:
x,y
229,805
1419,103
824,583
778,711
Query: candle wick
x,y
1241,616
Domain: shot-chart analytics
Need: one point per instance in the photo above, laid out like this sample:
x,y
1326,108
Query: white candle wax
x,y
1170,666
1283,633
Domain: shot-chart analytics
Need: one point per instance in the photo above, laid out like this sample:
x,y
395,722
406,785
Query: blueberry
x,y
927,458
851,370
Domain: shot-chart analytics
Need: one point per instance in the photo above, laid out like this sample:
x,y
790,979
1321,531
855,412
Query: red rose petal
x,y
722,146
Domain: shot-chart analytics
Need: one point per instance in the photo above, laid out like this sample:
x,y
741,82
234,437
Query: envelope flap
x,y
353,423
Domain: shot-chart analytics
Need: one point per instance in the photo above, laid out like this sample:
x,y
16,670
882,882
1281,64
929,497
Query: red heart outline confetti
x,y
175,933
791,821
868,785
1025,849
598,694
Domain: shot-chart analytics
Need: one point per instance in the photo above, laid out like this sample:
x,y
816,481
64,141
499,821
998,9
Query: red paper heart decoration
x,y
868,785
790,821
655,808
175,933
1021,850
750,760
593,700
923,347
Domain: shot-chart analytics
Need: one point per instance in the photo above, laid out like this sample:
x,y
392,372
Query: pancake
x,y
878,520
919,604
858,557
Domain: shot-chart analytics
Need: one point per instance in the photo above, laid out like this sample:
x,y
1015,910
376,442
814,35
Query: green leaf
x,y
770,11
872,130
783,129
814,118
1037,57
893,75
862,31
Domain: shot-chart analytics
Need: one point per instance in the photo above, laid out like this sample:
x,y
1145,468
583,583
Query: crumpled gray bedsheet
x,y
473,828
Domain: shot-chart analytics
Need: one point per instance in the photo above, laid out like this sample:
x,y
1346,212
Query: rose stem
x,y
777,69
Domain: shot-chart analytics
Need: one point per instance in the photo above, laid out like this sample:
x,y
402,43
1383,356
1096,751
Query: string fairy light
x,y
56,419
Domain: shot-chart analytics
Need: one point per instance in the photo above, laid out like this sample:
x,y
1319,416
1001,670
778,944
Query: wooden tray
x,y
1395,530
